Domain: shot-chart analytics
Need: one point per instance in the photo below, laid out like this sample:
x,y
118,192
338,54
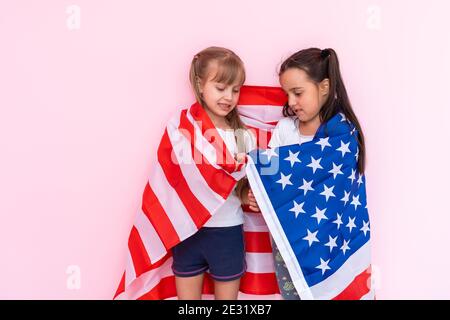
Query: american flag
x,y
314,202
180,196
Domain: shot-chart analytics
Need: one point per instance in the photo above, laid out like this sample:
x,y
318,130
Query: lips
x,y
224,106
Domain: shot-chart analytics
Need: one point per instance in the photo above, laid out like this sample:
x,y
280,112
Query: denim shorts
x,y
219,249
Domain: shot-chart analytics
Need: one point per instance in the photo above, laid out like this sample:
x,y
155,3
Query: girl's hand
x,y
252,201
240,158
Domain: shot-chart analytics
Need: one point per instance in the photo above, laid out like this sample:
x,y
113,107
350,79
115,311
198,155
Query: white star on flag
x,y
315,164
345,246
327,192
346,197
319,215
306,186
285,180
297,208
311,237
355,201
360,180
344,148
293,158
336,170
323,265
365,227
338,220
351,224
324,143
331,242
270,153
352,176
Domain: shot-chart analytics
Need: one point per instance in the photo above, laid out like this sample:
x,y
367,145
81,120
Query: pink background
x,y
82,110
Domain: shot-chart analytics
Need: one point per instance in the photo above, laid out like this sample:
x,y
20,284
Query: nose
x,y
228,94
291,101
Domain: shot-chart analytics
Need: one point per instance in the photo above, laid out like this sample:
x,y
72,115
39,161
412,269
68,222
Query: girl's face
x,y
220,98
305,97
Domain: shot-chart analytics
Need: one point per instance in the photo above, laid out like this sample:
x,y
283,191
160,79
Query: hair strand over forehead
x,y
230,68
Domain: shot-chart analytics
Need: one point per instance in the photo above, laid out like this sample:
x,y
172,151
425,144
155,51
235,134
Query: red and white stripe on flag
x,y
179,198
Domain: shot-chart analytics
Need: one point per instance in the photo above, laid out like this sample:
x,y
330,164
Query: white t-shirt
x,y
286,132
230,213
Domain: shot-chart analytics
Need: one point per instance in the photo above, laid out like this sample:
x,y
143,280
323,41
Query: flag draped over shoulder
x,y
314,202
188,184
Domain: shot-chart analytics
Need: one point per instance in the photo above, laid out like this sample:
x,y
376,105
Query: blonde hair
x,y
230,70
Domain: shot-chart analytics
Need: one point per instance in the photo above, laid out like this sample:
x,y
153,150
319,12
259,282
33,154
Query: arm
x,y
247,197
244,192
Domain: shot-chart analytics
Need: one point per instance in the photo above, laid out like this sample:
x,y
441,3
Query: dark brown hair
x,y
319,65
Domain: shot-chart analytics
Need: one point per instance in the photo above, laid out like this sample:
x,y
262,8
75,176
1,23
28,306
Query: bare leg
x,y
189,288
226,290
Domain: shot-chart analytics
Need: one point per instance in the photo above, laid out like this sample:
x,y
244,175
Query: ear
x,y
324,86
